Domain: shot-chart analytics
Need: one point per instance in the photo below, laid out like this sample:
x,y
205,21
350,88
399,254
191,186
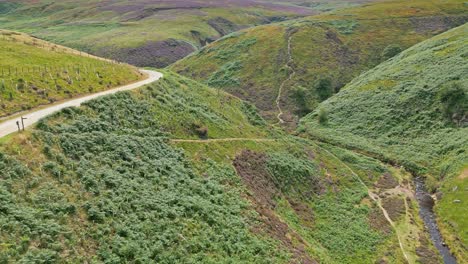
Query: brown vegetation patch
x,y
437,23
157,54
250,166
425,254
223,26
387,181
395,207
464,174
378,221
303,211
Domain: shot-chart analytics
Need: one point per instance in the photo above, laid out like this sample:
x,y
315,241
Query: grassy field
x,y
107,181
35,72
411,110
326,52
148,32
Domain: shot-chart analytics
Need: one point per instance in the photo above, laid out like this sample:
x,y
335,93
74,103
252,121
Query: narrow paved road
x,y
9,126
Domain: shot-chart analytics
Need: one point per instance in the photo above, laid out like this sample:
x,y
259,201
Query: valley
x,y
255,132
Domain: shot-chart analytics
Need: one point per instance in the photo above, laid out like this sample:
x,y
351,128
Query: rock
x,y
427,201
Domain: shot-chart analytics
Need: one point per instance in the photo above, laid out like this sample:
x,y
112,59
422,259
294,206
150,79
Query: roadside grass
x,y
35,72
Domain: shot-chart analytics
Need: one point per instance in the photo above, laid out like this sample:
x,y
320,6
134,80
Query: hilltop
x,y
148,32
179,172
34,72
290,67
411,110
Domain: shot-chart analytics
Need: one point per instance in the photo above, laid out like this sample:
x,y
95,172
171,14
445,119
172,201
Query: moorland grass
x,y
400,112
337,46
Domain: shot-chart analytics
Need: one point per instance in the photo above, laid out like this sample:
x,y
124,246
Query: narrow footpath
x,y
291,75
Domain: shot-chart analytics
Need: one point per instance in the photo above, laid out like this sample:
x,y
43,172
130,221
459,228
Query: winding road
x,y
10,126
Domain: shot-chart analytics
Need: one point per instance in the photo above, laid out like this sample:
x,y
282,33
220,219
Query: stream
x,y
426,204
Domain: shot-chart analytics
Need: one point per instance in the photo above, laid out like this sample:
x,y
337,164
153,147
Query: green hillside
x,y
411,110
34,72
149,32
180,172
292,66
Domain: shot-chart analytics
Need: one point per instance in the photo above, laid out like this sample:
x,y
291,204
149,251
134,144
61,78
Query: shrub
x,y
302,97
225,76
252,114
391,51
322,116
20,84
454,99
324,88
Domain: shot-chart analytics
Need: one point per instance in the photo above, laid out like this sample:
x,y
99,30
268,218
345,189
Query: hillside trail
x,y
221,140
10,125
291,75
374,198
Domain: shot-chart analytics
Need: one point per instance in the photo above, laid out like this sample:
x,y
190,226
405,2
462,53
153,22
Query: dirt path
x,y
376,199
291,75
221,140
9,126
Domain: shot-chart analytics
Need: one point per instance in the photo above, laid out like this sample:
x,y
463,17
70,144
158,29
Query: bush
x,y
20,84
322,116
324,89
454,99
301,96
252,114
225,76
391,51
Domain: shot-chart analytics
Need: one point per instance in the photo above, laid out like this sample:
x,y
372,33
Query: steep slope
x,y
296,64
140,177
35,72
148,32
412,110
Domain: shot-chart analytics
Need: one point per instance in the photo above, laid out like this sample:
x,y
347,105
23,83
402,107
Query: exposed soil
x,y
251,167
157,54
395,207
386,181
303,212
378,222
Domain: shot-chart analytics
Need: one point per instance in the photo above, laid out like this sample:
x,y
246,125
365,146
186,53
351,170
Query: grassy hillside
x,y
34,72
412,110
118,180
148,32
294,65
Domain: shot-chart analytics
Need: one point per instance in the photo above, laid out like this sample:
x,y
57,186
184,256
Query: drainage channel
x,y
426,204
